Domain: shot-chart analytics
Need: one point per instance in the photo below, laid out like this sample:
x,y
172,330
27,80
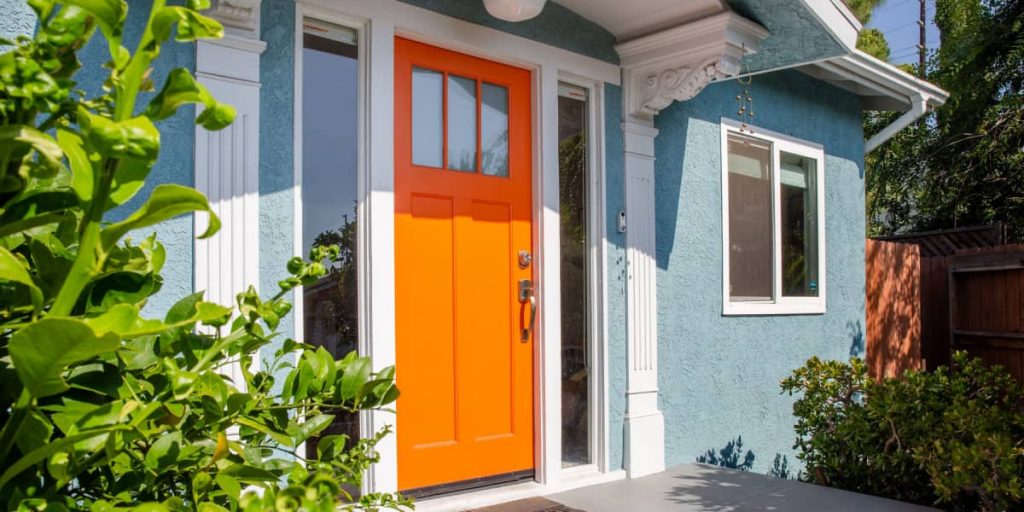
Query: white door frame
x,y
378,23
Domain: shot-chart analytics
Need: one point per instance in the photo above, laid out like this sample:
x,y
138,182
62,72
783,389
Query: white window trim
x,y
378,22
781,305
597,281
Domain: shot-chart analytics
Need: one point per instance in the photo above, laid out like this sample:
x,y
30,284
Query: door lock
x,y
525,259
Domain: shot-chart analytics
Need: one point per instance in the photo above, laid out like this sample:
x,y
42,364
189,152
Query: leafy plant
x,y
100,407
963,164
953,437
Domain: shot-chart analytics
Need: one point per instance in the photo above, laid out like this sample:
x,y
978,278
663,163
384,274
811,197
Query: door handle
x,y
526,296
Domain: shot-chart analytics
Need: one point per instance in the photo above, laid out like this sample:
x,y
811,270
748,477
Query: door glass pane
x,y
799,215
461,123
494,129
750,219
427,117
329,193
576,381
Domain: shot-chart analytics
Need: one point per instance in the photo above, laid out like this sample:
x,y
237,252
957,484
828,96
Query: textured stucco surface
x,y
175,164
795,34
719,376
556,26
616,273
16,19
277,100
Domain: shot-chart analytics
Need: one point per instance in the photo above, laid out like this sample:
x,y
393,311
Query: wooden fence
x,y
920,309
986,304
893,334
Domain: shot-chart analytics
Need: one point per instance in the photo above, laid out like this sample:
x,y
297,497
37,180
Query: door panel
x,y
463,213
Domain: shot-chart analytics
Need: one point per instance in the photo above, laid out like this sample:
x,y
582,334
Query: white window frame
x,y
779,305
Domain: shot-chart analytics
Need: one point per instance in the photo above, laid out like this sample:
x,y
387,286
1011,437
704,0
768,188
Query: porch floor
x,y
693,487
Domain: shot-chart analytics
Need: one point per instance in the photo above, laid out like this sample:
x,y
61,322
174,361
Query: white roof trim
x,y
882,85
837,18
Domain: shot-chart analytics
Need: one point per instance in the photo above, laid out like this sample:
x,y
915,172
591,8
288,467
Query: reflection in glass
x,y
461,123
750,219
494,129
329,194
576,381
427,117
799,215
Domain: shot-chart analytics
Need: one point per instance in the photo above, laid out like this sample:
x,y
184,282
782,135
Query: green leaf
x,y
43,350
163,454
34,433
82,173
125,321
229,484
16,141
192,309
131,287
300,432
354,376
12,269
166,201
136,137
38,202
110,16
248,474
129,178
254,424
44,452
191,25
181,88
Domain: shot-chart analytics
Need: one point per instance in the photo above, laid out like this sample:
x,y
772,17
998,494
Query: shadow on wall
x,y
856,331
729,456
733,456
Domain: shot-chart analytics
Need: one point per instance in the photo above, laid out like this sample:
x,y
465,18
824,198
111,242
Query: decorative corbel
x,y
238,16
676,64
685,82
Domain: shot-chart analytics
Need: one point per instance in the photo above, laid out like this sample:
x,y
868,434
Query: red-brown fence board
x,y
935,348
986,292
893,307
972,300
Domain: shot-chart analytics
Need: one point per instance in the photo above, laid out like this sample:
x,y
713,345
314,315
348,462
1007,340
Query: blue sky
x,y
897,19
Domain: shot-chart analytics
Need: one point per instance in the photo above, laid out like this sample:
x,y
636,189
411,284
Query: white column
x,y
645,425
227,161
672,65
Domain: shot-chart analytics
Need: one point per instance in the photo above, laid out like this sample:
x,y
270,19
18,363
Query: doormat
x,y
528,505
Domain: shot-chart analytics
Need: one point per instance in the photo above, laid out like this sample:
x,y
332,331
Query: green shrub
x,y
953,437
101,408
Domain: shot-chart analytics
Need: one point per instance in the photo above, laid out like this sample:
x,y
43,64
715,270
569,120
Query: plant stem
x,y
14,424
90,255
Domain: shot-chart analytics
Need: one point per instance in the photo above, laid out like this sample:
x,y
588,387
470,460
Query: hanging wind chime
x,y
745,100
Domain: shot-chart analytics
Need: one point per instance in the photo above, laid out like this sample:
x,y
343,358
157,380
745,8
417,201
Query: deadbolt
x,y
524,259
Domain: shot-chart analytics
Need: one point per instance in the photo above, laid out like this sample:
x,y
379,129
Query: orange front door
x,y
462,218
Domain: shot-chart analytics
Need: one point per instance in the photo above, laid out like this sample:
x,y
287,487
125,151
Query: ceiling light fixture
x,y
514,10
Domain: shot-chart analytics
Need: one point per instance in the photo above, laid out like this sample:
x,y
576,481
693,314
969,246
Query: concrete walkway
x,y
699,487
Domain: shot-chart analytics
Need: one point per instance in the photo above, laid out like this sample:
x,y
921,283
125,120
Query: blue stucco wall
x,y
277,101
795,34
719,376
555,26
16,19
616,273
